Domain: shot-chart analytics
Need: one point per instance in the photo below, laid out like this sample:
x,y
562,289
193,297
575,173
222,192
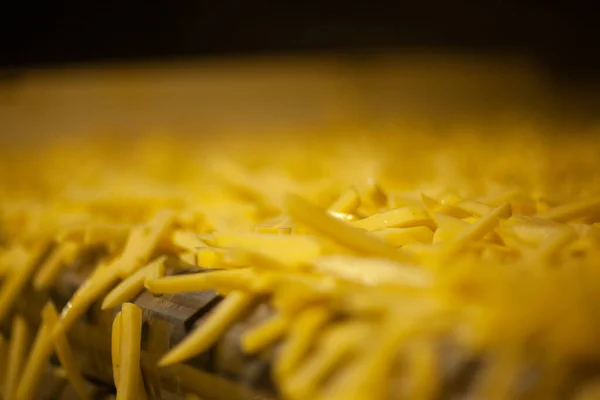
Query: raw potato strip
x,y
448,227
61,256
64,353
159,271
115,348
572,211
219,320
143,240
95,286
404,217
484,225
115,351
15,282
347,203
265,334
315,218
301,337
38,357
236,279
133,285
17,352
130,383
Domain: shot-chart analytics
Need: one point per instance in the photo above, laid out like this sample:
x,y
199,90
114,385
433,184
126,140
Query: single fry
x,y
134,284
205,336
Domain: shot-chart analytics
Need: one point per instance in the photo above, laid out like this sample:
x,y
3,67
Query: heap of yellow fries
x,y
371,249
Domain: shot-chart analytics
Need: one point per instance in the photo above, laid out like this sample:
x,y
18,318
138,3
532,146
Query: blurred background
x,y
78,65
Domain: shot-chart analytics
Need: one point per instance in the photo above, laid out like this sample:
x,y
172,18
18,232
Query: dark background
x,y
563,36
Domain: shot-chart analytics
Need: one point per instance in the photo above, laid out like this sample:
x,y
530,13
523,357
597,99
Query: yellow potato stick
x,y
405,217
130,381
133,285
143,240
572,211
347,203
115,348
86,295
100,269
53,266
17,353
485,224
235,279
158,270
265,334
302,335
36,362
15,283
448,227
308,214
204,336
64,352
